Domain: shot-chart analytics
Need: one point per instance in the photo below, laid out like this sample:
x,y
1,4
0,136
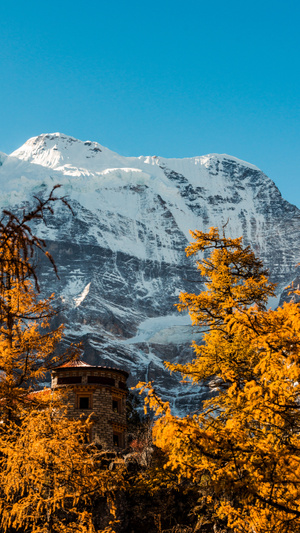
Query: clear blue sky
x,y
164,77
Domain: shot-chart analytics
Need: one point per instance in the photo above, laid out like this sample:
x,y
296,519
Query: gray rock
x,y
121,258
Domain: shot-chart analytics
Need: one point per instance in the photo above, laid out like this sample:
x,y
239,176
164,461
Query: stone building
x,y
98,391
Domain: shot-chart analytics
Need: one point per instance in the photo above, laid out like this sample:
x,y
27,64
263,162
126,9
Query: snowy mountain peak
x,y
225,158
62,152
207,161
121,257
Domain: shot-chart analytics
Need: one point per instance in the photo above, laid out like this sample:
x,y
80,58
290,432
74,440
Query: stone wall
x,y
100,393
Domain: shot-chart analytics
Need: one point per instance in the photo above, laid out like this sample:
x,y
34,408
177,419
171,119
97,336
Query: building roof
x,y
78,363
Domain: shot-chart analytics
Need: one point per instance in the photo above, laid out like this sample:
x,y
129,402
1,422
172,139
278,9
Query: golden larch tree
x,y
49,476
242,451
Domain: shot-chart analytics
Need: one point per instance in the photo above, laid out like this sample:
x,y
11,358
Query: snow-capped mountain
x,y
121,257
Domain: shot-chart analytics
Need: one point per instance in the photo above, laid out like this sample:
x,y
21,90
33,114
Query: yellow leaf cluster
x,y
49,476
246,441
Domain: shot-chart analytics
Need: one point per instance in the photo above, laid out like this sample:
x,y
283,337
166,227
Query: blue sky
x,y
166,78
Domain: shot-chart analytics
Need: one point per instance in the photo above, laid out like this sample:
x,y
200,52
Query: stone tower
x,y
98,391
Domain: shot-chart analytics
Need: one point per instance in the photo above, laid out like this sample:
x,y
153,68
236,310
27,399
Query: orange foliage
x,y
243,450
48,474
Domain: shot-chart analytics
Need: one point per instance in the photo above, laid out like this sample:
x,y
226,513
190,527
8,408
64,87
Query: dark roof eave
x,y
89,368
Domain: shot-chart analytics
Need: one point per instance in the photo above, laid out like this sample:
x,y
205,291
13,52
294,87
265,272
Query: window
x,y
66,380
104,380
116,405
84,401
118,439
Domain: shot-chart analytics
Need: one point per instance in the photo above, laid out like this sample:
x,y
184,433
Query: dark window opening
x,y
84,402
68,379
116,440
103,380
116,406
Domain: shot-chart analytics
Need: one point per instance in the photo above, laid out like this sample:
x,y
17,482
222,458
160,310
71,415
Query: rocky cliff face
x,y
121,258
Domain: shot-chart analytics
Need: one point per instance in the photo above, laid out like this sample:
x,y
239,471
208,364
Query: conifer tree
x,y
48,475
27,345
242,451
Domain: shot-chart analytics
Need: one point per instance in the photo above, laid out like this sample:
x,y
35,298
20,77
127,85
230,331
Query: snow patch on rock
x,y
83,295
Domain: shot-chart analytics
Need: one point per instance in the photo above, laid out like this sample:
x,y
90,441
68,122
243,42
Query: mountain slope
x,y
121,258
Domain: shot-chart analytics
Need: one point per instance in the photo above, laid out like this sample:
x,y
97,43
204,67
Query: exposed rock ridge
x,y
121,258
